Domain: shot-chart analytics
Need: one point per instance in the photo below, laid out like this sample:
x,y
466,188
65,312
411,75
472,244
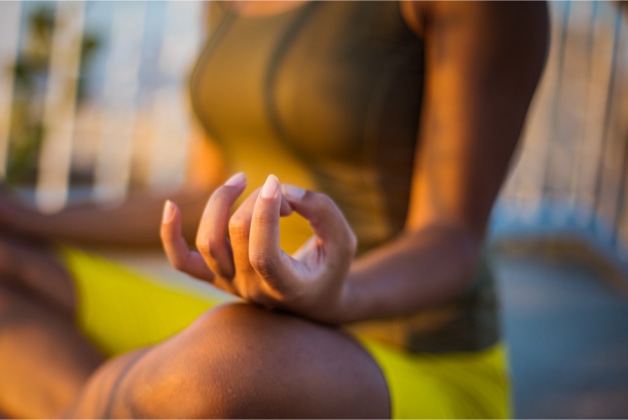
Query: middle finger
x,y
211,237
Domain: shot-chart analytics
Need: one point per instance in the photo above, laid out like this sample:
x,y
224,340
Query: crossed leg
x,y
236,360
44,361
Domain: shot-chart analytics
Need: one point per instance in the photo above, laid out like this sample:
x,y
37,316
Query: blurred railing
x,y
114,116
92,96
570,180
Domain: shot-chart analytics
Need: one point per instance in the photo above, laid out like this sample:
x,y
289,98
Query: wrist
x,y
337,309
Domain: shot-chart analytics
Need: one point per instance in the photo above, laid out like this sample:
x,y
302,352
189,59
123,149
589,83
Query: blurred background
x,y
86,88
93,105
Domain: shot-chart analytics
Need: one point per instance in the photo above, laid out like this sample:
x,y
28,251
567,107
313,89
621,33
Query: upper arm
x,y
483,61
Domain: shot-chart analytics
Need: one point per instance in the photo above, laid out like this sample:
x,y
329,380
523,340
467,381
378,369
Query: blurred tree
x,y
31,77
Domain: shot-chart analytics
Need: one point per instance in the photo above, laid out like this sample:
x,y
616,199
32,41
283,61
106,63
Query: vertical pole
x,y
121,89
10,24
171,117
59,107
599,175
599,64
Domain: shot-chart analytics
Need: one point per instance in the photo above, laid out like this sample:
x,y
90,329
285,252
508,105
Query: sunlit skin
x,y
483,61
252,265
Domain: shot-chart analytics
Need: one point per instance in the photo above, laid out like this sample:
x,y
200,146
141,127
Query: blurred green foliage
x,y
30,80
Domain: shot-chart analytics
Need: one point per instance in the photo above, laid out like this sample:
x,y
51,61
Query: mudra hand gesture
x,y
249,263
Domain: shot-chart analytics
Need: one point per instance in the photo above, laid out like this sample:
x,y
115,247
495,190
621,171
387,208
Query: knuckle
x,y
220,193
264,265
265,295
226,286
325,201
238,227
245,289
214,245
265,218
286,296
208,247
177,264
251,294
324,206
202,245
243,292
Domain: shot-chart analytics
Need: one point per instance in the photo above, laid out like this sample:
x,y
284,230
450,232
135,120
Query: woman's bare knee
x,y
242,361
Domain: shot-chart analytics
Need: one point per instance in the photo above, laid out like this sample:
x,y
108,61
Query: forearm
x,y
413,272
133,223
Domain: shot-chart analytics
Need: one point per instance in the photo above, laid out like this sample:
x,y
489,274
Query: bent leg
x,y
44,362
239,360
34,268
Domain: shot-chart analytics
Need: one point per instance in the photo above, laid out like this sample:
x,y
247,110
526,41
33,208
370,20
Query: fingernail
x,y
168,214
236,180
292,193
270,187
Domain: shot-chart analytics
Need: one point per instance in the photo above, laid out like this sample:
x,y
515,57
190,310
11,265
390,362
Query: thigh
x,y
239,360
37,271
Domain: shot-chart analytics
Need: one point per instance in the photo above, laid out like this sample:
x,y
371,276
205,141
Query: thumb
x,y
325,218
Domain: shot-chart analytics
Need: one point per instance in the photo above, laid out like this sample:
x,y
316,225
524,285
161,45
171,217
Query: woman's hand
x,y
249,263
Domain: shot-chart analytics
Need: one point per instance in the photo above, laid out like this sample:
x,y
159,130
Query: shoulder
x,y
428,15
493,35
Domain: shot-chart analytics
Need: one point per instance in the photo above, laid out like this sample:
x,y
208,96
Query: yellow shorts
x,y
120,310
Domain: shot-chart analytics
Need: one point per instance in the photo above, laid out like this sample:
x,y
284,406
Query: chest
x,y
324,78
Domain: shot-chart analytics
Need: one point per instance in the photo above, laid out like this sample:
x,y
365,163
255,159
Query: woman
x,y
404,115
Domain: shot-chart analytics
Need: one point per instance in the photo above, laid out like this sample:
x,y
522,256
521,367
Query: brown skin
x,y
483,63
475,53
241,361
132,223
251,264
36,331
